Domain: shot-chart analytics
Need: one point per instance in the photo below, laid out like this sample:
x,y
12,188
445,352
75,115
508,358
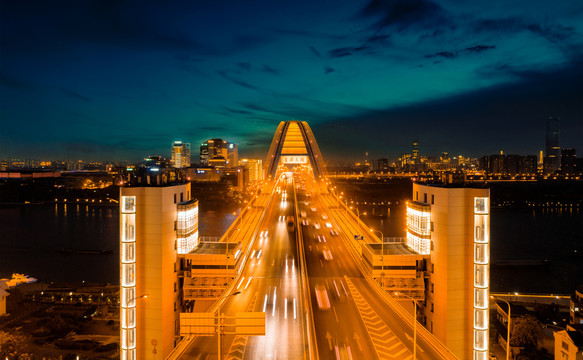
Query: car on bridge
x,y
322,297
327,254
316,226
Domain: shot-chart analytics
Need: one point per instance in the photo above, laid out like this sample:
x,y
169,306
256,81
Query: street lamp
x,y
127,318
382,251
508,325
414,323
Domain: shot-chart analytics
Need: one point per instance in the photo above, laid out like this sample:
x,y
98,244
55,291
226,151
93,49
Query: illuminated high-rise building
x,y
219,149
232,155
158,221
452,226
180,154
552,145
255,167
415,151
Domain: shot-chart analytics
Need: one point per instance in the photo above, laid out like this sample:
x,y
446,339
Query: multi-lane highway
x,y
269,282
352,318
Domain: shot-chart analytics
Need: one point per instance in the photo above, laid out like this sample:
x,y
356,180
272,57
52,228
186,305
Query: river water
x,y
32,237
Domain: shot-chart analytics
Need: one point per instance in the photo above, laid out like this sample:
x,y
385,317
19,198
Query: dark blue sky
x,y
122,79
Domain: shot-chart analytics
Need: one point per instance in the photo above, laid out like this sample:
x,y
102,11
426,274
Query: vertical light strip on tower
x,y
128,278
481,276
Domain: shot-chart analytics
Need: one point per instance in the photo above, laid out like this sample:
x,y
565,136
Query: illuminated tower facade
x,y
180,154
158,221
452,225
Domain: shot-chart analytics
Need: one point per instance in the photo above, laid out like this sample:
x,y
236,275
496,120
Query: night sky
x,y
118,80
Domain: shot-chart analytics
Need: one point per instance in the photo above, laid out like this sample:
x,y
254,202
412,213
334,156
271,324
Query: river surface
x,y
32,239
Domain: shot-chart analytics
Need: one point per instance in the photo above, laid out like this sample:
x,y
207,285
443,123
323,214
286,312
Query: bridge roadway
x,y
361,321
270,283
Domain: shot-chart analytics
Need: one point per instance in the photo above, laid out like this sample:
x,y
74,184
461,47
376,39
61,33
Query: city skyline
x,y
120,81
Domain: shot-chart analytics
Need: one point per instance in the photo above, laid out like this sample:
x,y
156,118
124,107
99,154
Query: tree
x,y
526,331
13,346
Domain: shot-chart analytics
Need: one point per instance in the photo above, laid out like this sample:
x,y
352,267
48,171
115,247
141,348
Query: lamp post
x,y
414,323
382,251
508,325
127,318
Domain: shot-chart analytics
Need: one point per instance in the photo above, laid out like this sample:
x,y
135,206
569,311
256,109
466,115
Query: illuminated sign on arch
x,y
290,159
294,143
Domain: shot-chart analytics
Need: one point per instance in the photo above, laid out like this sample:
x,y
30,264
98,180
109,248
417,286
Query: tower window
x,y
425,198
175,198
432,199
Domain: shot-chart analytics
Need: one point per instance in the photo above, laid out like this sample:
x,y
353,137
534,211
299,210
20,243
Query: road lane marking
x,y
385,342
321,263
248,281
294,308
357,339
274,299
239,344
240,282
335,315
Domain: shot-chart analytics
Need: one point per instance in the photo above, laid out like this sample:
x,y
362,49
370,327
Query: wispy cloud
x,y
404,14
75,95
476,49
14,82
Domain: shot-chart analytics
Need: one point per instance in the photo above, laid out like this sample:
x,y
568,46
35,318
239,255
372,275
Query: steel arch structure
x,y
294,142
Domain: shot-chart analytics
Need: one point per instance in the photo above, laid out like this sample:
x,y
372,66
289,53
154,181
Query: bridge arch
x,y
294,144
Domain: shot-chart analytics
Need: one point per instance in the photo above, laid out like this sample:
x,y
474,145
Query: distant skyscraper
x,y
383,164
415,151
255,167
219,149
232,155
568,161
452,226
180,154
552,145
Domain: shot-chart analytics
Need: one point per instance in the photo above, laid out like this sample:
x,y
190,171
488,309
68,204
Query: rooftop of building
x,y
390,249
453,184
515,310
215,247
576,337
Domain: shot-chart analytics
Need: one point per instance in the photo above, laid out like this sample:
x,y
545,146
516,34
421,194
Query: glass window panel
x,y
129,204
480,319
481,275
481,253
481,205
480,298
480,355
127,294
480,340
128,274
